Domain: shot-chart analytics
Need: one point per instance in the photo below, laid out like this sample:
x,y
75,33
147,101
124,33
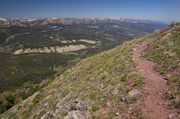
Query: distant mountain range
x,y
68,21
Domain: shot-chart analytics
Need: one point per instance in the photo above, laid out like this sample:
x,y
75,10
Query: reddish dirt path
x,y
153,102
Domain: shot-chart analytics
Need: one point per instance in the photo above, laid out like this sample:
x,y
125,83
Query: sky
x,y
161,10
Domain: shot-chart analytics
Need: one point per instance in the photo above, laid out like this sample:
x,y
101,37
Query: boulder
x,y
78,105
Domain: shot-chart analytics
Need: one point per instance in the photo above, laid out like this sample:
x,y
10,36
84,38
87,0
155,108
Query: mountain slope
x,y
34,50
98,82
102,86
49,44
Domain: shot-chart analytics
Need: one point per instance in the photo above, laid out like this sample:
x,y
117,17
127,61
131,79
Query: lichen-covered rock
x,y
77,114
134,94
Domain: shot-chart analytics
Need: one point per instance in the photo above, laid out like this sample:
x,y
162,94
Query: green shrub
x,y
139,81
94,107
36,99
7,100
93,95
103,78
175,79
123,78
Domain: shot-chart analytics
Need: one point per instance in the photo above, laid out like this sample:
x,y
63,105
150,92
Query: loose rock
x,y
134,94
77,115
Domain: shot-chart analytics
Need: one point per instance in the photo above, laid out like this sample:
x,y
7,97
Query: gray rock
x,y
125,99
134,94
81,106
77,114
75,105
114,91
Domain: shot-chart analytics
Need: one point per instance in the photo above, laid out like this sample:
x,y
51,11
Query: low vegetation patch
x,y
139,81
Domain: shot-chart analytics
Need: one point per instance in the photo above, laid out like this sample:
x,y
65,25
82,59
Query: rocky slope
x,y
106,84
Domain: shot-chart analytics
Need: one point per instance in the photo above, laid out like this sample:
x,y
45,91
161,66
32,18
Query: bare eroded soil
x,y
153,102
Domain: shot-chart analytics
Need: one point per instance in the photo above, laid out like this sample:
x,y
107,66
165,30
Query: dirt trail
x,y
153,102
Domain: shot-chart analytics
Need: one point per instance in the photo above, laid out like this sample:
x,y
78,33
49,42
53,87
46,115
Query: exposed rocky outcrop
x,y
56,49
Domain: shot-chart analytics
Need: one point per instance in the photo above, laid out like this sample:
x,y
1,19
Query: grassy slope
x,y
100,81
93,81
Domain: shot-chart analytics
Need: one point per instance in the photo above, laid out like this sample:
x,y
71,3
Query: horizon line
x,y
90,17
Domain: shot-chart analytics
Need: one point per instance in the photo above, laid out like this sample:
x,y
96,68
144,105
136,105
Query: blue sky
x,y
163,10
